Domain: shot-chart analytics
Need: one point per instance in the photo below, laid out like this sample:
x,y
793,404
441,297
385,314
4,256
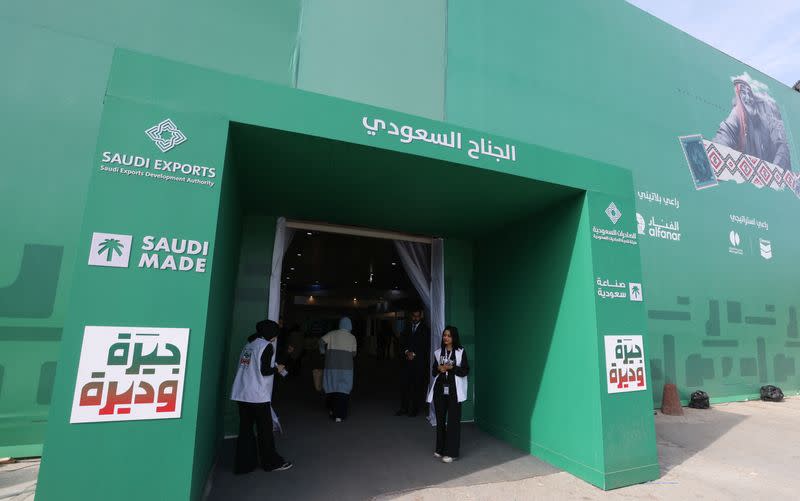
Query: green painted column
x,y
129,418
540,341
628,429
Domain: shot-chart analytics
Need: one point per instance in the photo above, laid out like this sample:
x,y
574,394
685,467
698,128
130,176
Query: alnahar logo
x,y
166,135
110,249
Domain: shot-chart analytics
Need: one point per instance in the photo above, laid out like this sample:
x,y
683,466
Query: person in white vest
x,y
447,391
252,390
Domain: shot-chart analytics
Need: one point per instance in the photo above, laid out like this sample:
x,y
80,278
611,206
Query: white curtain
x,y
424,265
416,259
283,237
437,293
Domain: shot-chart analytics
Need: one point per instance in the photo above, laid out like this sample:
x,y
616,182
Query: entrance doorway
x,y
327,276
275,173
313,179
372,452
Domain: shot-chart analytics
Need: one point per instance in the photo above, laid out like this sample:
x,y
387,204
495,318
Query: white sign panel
x,y
625,364
130,373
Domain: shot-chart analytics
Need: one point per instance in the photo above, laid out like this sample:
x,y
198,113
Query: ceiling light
x,y
394,263
291,269
299,254
309,233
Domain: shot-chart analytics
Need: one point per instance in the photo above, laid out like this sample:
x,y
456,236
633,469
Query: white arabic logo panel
x,y
130,373
625,368
110,249
166,135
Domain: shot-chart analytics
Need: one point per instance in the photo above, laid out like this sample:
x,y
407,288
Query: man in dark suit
x,y
415,348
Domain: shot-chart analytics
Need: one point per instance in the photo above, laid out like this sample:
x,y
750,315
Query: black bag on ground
x,y
771,393
699,400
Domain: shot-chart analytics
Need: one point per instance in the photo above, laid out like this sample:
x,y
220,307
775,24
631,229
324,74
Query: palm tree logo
x,y
109,247
636,291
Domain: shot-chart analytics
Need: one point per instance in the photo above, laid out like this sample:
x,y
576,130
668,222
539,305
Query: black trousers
x,y
337,404
253,450
414,385
448,421
384,343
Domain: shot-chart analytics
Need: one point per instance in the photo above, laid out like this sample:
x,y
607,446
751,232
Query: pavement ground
x,y
742,450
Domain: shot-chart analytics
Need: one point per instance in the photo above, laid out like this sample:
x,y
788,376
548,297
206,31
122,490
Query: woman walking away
x,y
448,390
252,391
339,347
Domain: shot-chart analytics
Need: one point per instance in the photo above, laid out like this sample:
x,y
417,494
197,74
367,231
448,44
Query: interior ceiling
x,y
310,178
339,265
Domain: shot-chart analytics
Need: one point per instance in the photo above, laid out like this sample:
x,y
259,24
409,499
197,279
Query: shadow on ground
x,y
372,453
681,437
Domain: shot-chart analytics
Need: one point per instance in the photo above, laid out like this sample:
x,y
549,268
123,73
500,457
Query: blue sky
x,y
763,34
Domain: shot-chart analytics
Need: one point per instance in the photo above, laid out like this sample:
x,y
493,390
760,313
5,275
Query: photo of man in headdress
x,y
754,125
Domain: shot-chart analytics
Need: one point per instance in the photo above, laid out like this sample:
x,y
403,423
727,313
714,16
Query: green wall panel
x,y
459,292
251,298
57,58
537,339
615,84
255,39
213,387
50,100
390,54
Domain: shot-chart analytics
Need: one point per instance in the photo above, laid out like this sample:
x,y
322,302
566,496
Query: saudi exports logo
x,y
110,249
166,135
613,213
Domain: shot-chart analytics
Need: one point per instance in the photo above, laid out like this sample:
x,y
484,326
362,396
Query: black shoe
x,y
401,412
285,466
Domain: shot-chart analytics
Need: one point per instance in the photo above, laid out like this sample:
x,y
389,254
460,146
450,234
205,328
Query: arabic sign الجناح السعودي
x,y
451,139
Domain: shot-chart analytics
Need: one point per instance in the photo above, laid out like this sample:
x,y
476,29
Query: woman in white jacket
x,y
448,390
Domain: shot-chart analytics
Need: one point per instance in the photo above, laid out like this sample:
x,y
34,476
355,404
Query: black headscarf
x,y
265,329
